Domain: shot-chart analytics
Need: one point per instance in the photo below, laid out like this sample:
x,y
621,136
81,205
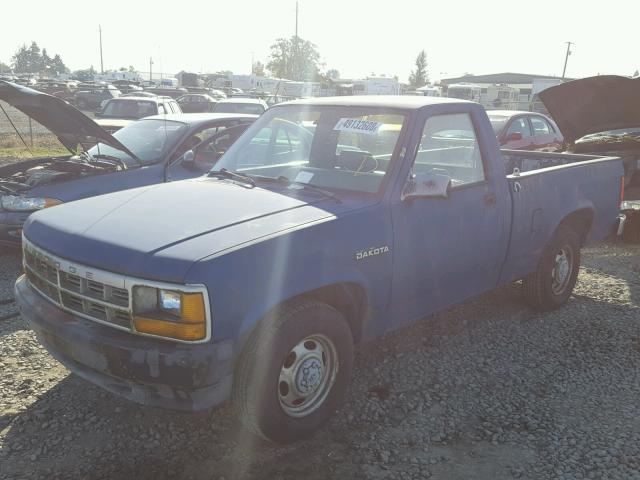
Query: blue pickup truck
x,y
329,222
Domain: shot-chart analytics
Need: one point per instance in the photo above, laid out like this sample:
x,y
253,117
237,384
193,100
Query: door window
x,y
520,125
449,146
540,126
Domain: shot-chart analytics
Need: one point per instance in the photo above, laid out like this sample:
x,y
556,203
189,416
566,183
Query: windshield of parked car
x,y
343,148
498,123
133,109
622,135
230,107
150,140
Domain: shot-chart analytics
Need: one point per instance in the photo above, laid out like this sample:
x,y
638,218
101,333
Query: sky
x,y
358,38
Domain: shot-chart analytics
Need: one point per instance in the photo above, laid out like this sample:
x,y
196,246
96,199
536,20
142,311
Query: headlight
x,y
169,313
630,205
18,203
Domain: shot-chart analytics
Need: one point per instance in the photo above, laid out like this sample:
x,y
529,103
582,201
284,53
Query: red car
x,y
525,131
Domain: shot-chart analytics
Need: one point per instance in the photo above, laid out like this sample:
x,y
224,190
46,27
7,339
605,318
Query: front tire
x,y
550,286
294,371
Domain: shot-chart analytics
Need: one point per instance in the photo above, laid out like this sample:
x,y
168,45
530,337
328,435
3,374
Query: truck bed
x,y
545,189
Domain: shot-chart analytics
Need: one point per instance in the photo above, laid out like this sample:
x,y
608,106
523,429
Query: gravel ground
x,y
488,390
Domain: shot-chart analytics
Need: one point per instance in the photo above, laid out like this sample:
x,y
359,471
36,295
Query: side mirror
x,y
426,185
188,158
513,137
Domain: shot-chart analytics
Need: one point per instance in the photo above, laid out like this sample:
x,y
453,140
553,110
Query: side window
x,y
520,125
449,146
540,126
161,109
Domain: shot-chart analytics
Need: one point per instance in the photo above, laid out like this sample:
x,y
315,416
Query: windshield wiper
x,y
230,174
325,193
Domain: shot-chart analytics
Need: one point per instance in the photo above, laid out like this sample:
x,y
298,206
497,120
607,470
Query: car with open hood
x,y
601,115
151,150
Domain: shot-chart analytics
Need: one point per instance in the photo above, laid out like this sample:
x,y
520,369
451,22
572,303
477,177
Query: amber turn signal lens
x,y
192,308
163,328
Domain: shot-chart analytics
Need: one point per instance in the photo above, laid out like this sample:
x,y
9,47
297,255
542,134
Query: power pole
x,y
295,46
566,58
252,62
150,70
101,63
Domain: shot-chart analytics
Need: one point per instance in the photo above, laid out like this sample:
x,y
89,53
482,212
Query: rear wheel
x,y
551,284
294,371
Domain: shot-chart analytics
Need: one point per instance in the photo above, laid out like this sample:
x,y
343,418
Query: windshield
x,y
129,109
229,107
498,122
149,140
345,148
625,134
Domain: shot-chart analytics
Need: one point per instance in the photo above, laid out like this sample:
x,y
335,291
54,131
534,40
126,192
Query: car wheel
x,y
550,286
294,371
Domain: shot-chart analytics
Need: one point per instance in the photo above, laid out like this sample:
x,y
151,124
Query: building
x,y
521,85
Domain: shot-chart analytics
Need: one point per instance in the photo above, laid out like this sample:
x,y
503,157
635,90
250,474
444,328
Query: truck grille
x,y
84,294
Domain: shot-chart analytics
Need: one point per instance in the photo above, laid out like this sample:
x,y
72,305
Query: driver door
x,y
448,249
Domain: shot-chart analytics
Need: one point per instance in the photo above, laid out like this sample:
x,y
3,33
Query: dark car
x,y
92,97
253,106
147,151
119,112
525,131
197,103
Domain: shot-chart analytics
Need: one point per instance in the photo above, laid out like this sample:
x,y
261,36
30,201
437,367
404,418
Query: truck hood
x,y
70,125
157,232
594,104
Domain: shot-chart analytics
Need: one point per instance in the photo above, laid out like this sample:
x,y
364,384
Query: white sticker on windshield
x,y
354,125
304,177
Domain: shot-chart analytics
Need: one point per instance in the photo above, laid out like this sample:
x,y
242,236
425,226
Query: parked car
x,y
176,92
525,131
197,102
601,116
253,106
91,98
120,112
142,153
127,86
254,282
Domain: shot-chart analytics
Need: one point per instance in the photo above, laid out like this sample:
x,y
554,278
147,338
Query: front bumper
x,y
11,224
147,371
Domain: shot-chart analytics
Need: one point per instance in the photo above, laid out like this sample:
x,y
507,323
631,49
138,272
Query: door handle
x,y
490,199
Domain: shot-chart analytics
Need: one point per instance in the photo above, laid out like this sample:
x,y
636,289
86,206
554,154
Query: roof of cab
x,y
408,102
196,118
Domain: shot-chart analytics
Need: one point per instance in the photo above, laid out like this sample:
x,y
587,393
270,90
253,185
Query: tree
x,y
258,69
4,68
333,74
294,59
32,60
419,77
85,75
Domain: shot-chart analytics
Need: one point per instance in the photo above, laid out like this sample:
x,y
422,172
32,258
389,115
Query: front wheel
x,y
294,371
552,283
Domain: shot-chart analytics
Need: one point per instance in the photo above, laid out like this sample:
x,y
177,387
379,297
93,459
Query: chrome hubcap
x,y
562,270
307,375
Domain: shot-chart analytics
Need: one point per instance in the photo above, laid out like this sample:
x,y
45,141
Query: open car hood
x,y
593,105
70,125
